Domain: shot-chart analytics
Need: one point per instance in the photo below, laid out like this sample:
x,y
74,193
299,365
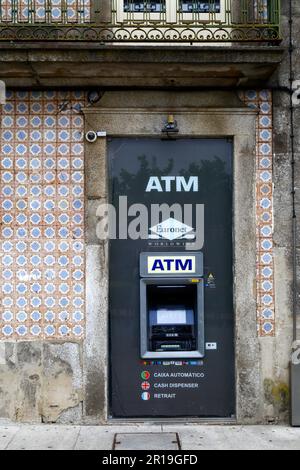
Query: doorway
x,y
183,172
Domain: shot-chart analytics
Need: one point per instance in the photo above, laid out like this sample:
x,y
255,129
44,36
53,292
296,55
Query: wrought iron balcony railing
x,y
151,21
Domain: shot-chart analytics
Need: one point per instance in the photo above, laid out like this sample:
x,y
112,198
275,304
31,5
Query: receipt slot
x,y
171,305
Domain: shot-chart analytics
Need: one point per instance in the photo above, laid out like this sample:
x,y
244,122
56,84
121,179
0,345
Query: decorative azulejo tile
x,y
262,99
42,217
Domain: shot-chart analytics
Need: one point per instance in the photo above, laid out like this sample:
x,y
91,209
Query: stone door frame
x,y
119,119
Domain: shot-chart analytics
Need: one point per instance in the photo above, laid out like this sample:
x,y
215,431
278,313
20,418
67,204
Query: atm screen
x,y
168,316
171,315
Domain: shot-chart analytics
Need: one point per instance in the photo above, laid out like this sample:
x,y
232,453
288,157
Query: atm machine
x,y
171,305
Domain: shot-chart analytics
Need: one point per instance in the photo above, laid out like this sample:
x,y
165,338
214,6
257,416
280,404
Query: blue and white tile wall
x,y
262,101
42,276
42,260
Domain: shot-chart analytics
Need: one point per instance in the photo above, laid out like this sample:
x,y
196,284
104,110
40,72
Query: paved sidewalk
x,y
192,437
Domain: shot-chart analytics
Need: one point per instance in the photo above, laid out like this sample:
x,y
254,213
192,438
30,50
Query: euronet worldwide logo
x,y
164,222
171,229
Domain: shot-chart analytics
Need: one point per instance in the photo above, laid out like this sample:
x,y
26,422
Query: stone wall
x,y
42,256
296,65
66,378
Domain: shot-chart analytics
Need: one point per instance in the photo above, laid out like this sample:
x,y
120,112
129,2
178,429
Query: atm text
x,y
169,183
169,264
186,375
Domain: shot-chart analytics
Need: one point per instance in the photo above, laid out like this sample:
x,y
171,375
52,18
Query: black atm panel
x,y
189,334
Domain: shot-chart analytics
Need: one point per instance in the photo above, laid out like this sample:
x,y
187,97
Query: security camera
x,y
91,136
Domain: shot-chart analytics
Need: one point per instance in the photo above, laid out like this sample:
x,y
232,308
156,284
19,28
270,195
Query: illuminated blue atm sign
x,y
171,264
